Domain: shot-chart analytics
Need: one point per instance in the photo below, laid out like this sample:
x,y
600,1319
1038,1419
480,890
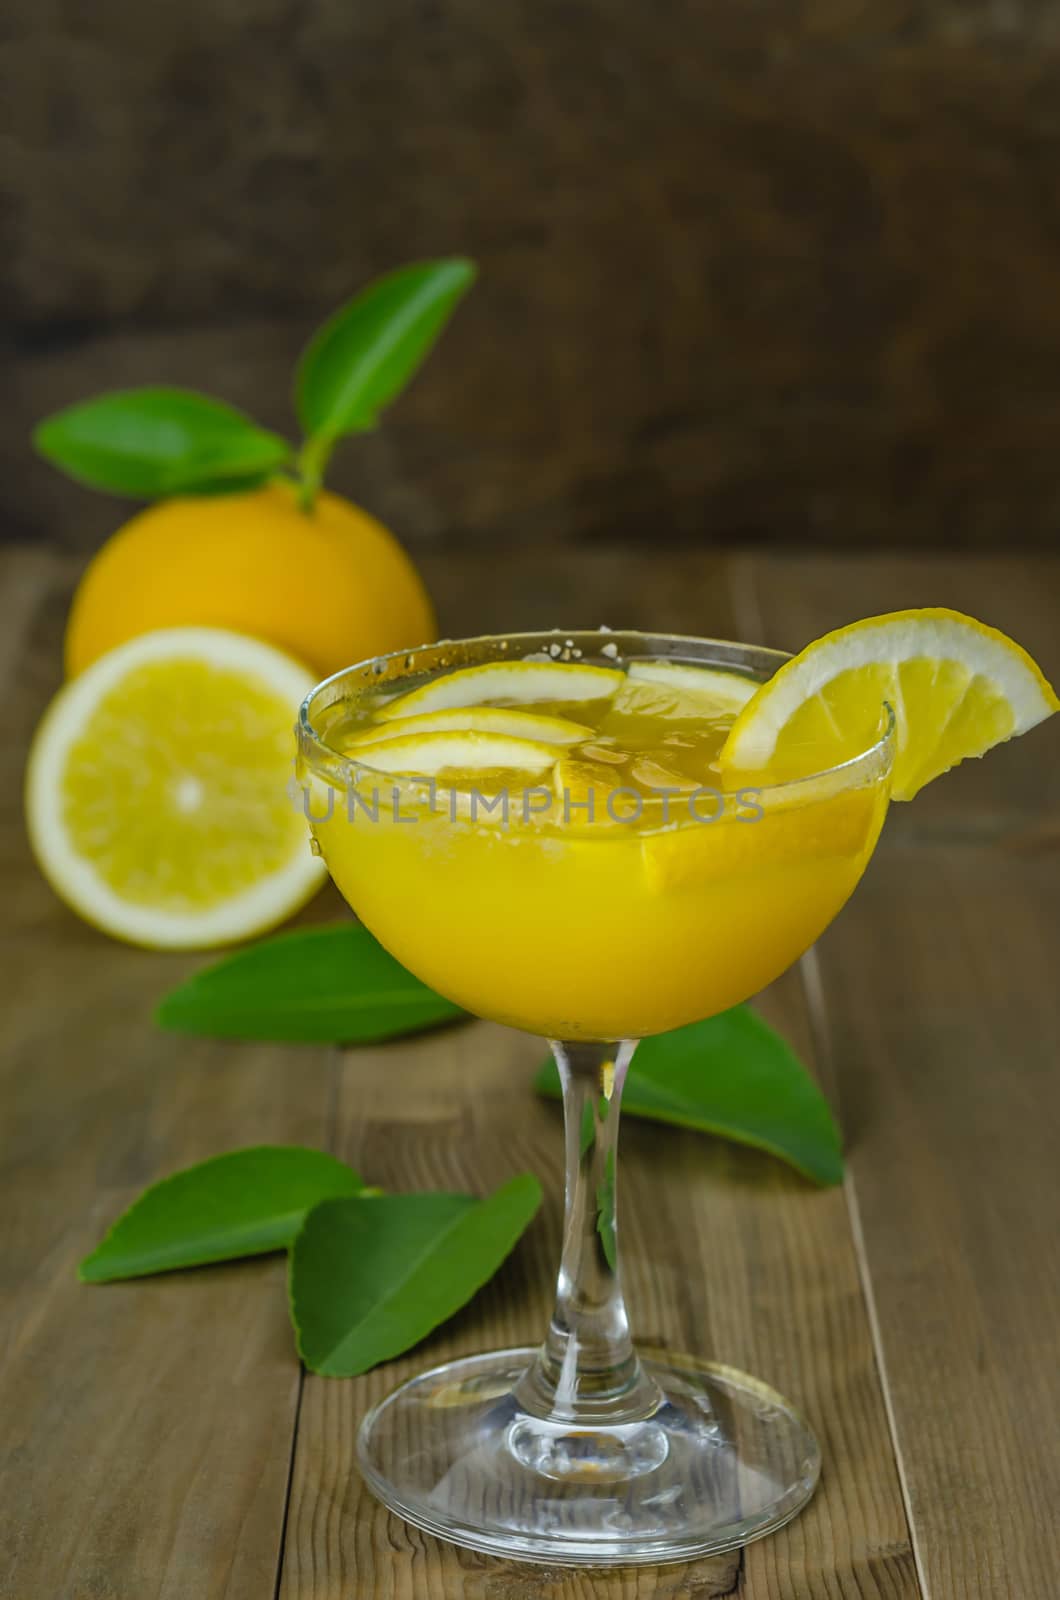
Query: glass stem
x,y
587,1372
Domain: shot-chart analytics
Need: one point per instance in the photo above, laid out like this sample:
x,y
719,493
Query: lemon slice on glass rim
x,y
957,688
157,798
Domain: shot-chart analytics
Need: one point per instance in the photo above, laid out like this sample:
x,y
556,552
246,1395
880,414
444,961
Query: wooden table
x,y
159,1440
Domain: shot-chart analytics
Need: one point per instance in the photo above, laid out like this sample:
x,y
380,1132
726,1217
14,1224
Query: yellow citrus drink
x,y
598,836
547,837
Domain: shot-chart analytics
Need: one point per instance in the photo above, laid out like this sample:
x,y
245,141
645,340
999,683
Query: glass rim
x,y
308,735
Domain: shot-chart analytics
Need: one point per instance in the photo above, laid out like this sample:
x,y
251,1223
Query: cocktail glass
x,y
585,1451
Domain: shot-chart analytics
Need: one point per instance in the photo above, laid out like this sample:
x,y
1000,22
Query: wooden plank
x,y
147,1427
943,1024
617,586
122,1130
725,1251
781,273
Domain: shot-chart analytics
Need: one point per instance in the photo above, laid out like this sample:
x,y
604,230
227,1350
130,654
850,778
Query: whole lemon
x,y
329,585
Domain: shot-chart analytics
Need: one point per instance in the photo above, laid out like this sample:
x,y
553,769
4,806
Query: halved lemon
x,y
476,719
426,754
156,790
512,681
957,688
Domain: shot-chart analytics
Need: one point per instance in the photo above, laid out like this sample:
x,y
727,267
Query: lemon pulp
x,y
174,810
157,790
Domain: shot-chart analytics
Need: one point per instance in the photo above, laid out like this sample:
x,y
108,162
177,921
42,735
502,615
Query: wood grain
x,y
782,273
146,1427
943,1015
941,1021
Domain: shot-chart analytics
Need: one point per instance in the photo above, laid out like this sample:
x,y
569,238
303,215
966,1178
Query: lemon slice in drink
x,y
424,755
588,793
676,692
725,690
476,719
156,790
957,688
516,682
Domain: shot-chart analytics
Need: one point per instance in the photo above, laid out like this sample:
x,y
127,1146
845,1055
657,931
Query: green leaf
x,y
240,1204
370,1278
327,985
150,442
733,1076
365,354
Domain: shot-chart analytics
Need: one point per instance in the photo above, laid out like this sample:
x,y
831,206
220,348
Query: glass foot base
x,y
723,1460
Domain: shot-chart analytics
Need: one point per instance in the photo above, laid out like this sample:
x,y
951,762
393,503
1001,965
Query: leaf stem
x,y
312,464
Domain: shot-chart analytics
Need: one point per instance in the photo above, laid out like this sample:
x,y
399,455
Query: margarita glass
x,y
596,924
